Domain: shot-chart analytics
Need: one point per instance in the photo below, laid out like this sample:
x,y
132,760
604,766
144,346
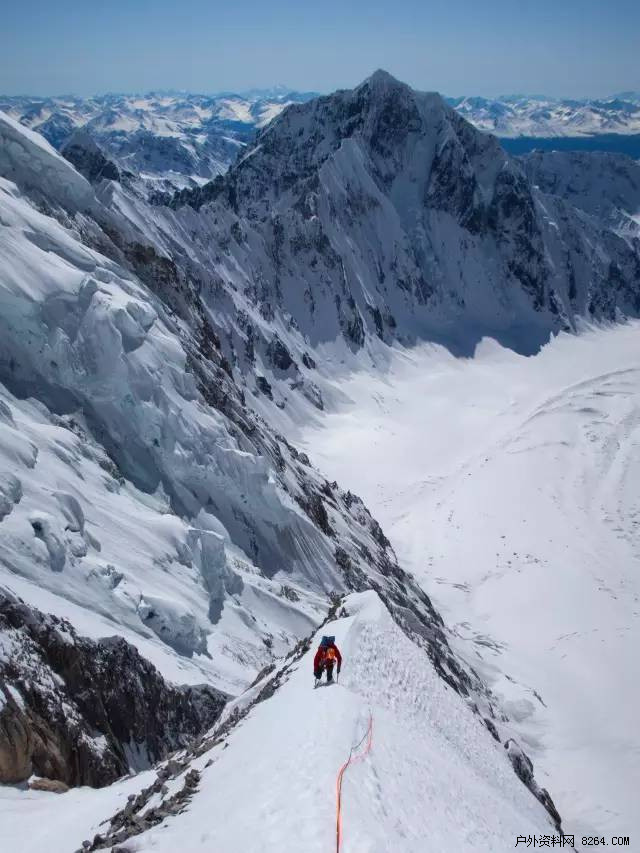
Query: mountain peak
x,y
380,75
381,79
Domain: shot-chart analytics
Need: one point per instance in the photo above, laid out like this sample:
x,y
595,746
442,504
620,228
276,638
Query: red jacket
x,y
324,655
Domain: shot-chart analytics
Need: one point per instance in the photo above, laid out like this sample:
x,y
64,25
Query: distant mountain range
x,y
525,115
178,139
166,137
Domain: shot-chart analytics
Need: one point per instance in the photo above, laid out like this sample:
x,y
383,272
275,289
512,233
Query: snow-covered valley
x,y
509,487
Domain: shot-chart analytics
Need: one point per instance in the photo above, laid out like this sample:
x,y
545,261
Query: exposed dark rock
x,y
279,355
314,507
523,767
492,728
54,786
499,215
82,711
82,152
289,593
264,386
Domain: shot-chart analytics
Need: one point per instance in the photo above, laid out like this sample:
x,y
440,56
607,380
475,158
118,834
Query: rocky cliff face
x,y
86,712
603,184
380,212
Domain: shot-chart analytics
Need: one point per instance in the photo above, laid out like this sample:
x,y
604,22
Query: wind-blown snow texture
x,y
153,359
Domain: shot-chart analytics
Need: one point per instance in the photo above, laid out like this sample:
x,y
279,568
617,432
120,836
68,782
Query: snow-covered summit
x,y
173,140
380,212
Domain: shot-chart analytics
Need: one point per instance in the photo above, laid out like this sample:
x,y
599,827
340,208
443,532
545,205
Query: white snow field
x,y
50,823
509,487
433,780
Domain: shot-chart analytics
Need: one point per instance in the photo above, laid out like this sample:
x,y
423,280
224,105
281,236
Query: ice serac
x,y
28,160
153,357
379,212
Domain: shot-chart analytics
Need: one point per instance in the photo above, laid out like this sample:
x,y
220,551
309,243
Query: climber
x,y
326,657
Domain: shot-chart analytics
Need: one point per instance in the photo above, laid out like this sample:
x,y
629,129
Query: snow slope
x,y
434,779
105,363
142,493
27,156
508,486
41,821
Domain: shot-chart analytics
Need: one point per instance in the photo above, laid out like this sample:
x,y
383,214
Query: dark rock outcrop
x,y
523,768
82,711
279,355
83,153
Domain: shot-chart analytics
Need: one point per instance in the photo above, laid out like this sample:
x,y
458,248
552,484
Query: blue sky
x,y
556,47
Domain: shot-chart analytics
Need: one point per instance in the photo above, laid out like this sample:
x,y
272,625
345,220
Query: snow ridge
x,y
426,742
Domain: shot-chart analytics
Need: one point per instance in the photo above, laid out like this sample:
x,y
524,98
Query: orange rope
x,y
351,760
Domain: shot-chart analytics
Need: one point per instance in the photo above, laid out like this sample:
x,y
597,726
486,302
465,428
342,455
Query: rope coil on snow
x,y
353,757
